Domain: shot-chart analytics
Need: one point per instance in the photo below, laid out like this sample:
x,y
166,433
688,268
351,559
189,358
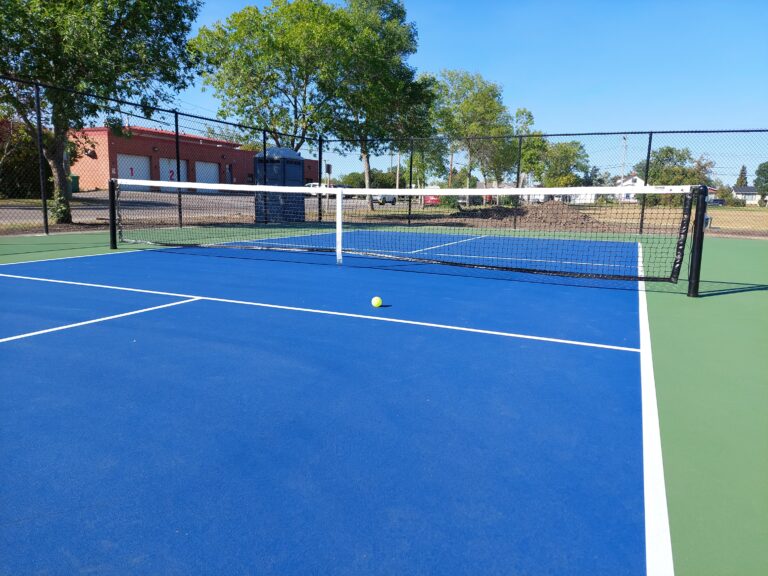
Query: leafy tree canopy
x,y
564,163
267,66
676,166
113,48
377,95
761,178
379,179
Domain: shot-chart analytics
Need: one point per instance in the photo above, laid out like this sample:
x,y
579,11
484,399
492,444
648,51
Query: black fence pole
x,y
112,214
264,173
320,179
519,160
178,166
698,242
41,158
647,177
410,182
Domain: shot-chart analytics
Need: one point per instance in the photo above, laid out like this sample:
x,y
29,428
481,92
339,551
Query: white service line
x,y
332,313
113,253
446,244
658,541
95,320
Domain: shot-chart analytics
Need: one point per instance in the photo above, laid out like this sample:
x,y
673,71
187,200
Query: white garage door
x,y
207,172
168,172
133,167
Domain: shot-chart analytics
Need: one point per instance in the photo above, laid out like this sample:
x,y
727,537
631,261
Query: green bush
x,y
449,201
19,168
735,202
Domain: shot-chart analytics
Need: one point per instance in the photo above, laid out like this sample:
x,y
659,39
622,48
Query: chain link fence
x,y
130,140
120,139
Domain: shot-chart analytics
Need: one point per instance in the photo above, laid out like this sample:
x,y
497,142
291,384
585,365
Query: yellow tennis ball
x,y
376,302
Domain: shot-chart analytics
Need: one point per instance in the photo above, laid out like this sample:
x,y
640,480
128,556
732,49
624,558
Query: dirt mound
x,y
549,215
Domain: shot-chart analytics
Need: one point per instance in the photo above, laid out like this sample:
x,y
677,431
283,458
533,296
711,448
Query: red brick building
x,y
149,154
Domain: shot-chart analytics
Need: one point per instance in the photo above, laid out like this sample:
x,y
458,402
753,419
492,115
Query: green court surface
x,y
711,366
710,357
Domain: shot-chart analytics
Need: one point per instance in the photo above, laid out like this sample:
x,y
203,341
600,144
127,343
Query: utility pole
x,y
624,160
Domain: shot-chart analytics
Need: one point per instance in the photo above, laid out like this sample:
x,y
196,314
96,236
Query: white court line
x,y
531,260
658,541
332,313
113,253
94,321
446,244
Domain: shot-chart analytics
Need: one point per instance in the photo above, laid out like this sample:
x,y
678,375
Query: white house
x,y
749,194
629,181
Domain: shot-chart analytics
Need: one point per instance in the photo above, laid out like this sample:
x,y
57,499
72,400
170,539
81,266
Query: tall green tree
x,y
113,48
267,66
761,177
564,164
468,108
377,96
761,182
742,178
672,166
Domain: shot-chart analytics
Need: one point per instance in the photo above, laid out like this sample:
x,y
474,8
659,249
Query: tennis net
x,y
595,232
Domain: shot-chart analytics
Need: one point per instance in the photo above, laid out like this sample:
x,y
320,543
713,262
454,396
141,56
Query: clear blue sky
x,y
593,64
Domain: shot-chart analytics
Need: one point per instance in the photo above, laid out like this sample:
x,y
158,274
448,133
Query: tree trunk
x,y
469,165
450,170
56,156
397,175
366,171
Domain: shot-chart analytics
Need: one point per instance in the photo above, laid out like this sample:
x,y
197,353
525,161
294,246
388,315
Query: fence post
x,y
41,157
647,177
264,174
410,182
112,215
519,160
178,164
698,242
320,179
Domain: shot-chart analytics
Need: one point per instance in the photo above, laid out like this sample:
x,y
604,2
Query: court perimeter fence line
x,y
124,139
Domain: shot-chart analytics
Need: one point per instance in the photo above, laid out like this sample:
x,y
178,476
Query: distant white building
x,y
630,181
749,194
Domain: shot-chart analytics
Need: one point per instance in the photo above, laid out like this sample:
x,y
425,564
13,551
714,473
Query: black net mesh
x,y
597,232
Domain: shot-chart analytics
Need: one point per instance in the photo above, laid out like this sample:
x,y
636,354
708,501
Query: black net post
x,y
410,181
41,158
698,242
112,215
646,179
519,160
320,173
178,164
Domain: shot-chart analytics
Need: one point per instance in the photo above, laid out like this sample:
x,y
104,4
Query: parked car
x,y
432,200
716,202
385,199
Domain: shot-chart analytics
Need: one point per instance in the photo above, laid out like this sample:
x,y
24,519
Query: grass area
x,y
750,219
711,364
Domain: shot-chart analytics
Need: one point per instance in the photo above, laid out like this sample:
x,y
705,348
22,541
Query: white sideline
x,y
95,320
658,542
332,313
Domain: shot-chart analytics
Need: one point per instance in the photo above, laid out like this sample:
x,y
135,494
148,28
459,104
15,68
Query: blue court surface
x,y
474,248
217,411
